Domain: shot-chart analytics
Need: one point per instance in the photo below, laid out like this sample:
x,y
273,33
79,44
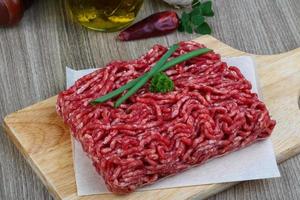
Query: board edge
x,y
16,142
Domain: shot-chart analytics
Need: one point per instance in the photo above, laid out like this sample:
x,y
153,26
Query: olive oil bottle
x,y
104,15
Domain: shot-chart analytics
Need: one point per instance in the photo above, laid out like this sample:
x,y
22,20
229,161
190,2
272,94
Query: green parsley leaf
x,y
196,11
185,18
203,29
197,20
207,9
188,28
181,27
161,83
194,21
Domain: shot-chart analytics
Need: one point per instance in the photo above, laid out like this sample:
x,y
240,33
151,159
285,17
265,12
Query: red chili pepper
x,y
157,24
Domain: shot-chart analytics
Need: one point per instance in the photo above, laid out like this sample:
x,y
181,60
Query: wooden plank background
x,y
34,54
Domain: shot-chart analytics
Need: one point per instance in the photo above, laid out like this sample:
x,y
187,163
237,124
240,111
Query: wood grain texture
x,y
33,56
43,139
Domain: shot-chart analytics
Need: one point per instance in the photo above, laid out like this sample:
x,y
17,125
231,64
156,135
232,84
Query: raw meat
x,y
211,112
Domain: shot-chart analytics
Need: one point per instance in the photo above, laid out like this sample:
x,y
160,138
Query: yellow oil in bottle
x,y
104,15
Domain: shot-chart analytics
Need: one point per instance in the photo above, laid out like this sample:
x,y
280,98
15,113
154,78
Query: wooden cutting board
x,y
44,140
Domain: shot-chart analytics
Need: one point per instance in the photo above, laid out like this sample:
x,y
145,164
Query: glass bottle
x,y
104,15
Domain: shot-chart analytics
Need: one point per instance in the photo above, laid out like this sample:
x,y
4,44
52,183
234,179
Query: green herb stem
x,y
147,76
132,83
116,92
184,57
169,64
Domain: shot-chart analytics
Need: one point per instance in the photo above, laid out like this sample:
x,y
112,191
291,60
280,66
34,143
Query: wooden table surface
x,y
33,56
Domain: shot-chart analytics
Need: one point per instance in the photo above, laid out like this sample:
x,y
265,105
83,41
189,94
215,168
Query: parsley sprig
x,y
161,83
194,21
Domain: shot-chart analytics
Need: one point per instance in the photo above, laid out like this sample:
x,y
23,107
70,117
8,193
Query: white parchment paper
x,y
254,162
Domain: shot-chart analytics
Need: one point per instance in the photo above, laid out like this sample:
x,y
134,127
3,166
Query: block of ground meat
x,y
211,112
